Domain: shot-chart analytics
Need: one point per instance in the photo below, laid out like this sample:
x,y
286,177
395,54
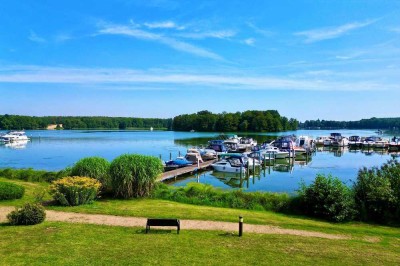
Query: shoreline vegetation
x,y
203,121
373,197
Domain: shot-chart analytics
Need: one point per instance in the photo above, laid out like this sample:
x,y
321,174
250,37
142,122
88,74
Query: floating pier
x,y
184,170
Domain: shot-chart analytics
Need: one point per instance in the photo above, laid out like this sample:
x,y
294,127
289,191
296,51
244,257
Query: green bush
x,y
134,175
327,198
202,194
75,190
9,191
33,175
377,193
29,214
94,167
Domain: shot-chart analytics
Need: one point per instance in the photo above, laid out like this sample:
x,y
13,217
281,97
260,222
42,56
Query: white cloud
x,y
224,34
127,78
35,38
250,41
63,37
263,32
171,42
321,34
163,25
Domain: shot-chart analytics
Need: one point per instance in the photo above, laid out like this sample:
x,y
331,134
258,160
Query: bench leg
x,y
147,229
179,228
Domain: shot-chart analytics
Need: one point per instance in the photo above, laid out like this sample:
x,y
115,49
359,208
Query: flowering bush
x,y
75,190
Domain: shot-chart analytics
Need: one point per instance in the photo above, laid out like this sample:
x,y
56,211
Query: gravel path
x,y
185,224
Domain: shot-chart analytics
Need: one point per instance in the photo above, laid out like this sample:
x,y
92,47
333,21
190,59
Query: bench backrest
x,y
162,222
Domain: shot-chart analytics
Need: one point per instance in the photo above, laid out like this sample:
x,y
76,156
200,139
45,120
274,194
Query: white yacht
x,y
14,136
232,164
320,140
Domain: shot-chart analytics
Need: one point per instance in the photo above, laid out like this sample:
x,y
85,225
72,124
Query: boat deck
x,y
184,170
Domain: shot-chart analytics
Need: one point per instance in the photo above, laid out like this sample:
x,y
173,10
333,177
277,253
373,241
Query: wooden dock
x,y
184,170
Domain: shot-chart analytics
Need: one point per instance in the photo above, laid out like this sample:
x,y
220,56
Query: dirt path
x,y
185,224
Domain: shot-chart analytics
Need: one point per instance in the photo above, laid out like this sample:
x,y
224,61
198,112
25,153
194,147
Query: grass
x,y
166,209
53,243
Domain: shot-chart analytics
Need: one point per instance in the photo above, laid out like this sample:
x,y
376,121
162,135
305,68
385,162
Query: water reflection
x,y
16,145
286,175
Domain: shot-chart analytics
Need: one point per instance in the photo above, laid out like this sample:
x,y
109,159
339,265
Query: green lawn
x,y
164,209
71,244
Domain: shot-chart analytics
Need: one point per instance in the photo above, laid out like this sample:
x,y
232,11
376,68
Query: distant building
x,y
54,126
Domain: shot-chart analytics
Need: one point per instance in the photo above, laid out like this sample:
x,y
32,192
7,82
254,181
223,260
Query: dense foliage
x,y
94,167
82,122
201,194
377,193
33,175
248,121
75,190
9,191
373,123
328,198
29,214
134,175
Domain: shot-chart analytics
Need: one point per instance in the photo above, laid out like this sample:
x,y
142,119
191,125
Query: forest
x,y
18,122
248,121
391,124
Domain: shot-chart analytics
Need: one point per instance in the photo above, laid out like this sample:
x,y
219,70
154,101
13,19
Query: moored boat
x,y
13,136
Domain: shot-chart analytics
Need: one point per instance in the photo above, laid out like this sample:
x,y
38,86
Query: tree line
x,y
371,123
248,121
17,122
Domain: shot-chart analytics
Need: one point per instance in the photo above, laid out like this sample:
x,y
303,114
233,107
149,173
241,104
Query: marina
x,y
55,150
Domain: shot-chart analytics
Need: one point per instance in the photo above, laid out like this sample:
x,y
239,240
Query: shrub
x,y
203,194
94,167
9,191
377,193
75,190
327,198
134,175
33,175
29,214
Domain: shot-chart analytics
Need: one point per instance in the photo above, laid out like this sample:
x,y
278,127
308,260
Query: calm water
x,y
55,150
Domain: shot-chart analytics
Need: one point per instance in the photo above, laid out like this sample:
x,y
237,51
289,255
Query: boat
x,y
394,144
208,154
218,146
230,164
283,144
369,142
381,144
246,144
178,162
276,153
304,145
320,140
340,141
13,136
355,141
194,156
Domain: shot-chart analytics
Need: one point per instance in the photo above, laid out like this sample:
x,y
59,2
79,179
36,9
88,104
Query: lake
x,y
55,150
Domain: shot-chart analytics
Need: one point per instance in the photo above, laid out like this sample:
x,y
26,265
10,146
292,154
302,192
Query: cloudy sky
x,y
158,58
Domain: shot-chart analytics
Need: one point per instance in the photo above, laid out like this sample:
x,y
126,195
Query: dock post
x,y
160,158
254,166
179,153
198,164
265,161
248,170
241,173
170,156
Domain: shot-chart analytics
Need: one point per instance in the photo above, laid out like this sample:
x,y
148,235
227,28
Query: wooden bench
x,y
162,222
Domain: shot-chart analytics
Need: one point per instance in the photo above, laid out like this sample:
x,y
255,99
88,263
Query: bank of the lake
x,y
55,150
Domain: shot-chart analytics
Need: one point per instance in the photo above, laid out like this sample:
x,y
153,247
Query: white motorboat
x,y
14,136
355,141
381,144
277,153
340,141
231,164
320,140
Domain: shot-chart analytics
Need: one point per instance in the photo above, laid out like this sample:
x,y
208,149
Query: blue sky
x,y
159,58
